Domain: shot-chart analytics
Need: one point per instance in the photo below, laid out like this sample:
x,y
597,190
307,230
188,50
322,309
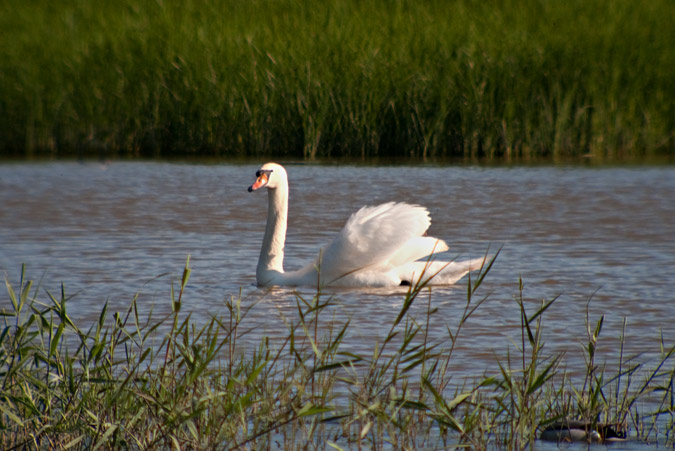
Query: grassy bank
x,y
146,383
514,79
293,78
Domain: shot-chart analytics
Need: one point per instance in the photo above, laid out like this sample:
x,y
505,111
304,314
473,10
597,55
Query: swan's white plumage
x,y
378,246
372,236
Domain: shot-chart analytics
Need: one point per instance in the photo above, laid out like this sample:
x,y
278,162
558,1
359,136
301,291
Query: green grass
x,y
148,383
499,80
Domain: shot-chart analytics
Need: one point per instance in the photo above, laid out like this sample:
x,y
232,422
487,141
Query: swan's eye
x,y
263,171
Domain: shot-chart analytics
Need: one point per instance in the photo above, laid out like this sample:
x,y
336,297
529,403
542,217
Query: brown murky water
x,y
601,234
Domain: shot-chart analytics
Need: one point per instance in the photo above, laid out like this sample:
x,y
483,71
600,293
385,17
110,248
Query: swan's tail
x,y
441,273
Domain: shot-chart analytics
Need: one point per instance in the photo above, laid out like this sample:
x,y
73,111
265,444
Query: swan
x,y
379,246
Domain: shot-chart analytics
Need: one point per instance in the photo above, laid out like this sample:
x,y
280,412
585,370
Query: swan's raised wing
x,y
376,236
417,248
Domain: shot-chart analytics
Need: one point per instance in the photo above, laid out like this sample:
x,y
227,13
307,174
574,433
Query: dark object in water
x,y
580,431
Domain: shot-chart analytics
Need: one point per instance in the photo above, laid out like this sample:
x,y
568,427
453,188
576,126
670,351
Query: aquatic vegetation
x,y
512,80
133,382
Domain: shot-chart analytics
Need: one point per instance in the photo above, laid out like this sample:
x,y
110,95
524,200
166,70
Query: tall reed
x,y
512,79
133,382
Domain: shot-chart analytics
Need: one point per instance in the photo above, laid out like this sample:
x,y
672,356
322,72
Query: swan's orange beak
x,y
260,181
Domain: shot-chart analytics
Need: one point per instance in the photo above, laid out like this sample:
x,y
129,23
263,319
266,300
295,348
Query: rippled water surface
x,y
601,234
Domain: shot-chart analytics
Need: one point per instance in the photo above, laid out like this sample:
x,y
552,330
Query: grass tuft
x,y
132,382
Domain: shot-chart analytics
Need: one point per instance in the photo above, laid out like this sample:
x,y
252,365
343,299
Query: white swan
x,y
379,246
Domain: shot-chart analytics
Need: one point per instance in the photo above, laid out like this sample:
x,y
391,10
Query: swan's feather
x,y
417,248
380,237
442,273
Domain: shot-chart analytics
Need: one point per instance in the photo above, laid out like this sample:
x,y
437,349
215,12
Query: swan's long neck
x,y
272,251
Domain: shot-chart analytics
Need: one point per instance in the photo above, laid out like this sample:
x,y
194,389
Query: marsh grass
x,y
135,382
300,79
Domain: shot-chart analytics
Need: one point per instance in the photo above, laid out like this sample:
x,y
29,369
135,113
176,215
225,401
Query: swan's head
x,y
270,175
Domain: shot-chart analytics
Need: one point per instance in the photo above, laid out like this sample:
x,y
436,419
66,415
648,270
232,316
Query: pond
x,y
600,239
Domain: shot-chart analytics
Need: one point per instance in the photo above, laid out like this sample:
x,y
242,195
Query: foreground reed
x,y
135,382
342,78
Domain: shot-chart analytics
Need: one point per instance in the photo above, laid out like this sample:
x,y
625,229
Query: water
x,y
599,234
